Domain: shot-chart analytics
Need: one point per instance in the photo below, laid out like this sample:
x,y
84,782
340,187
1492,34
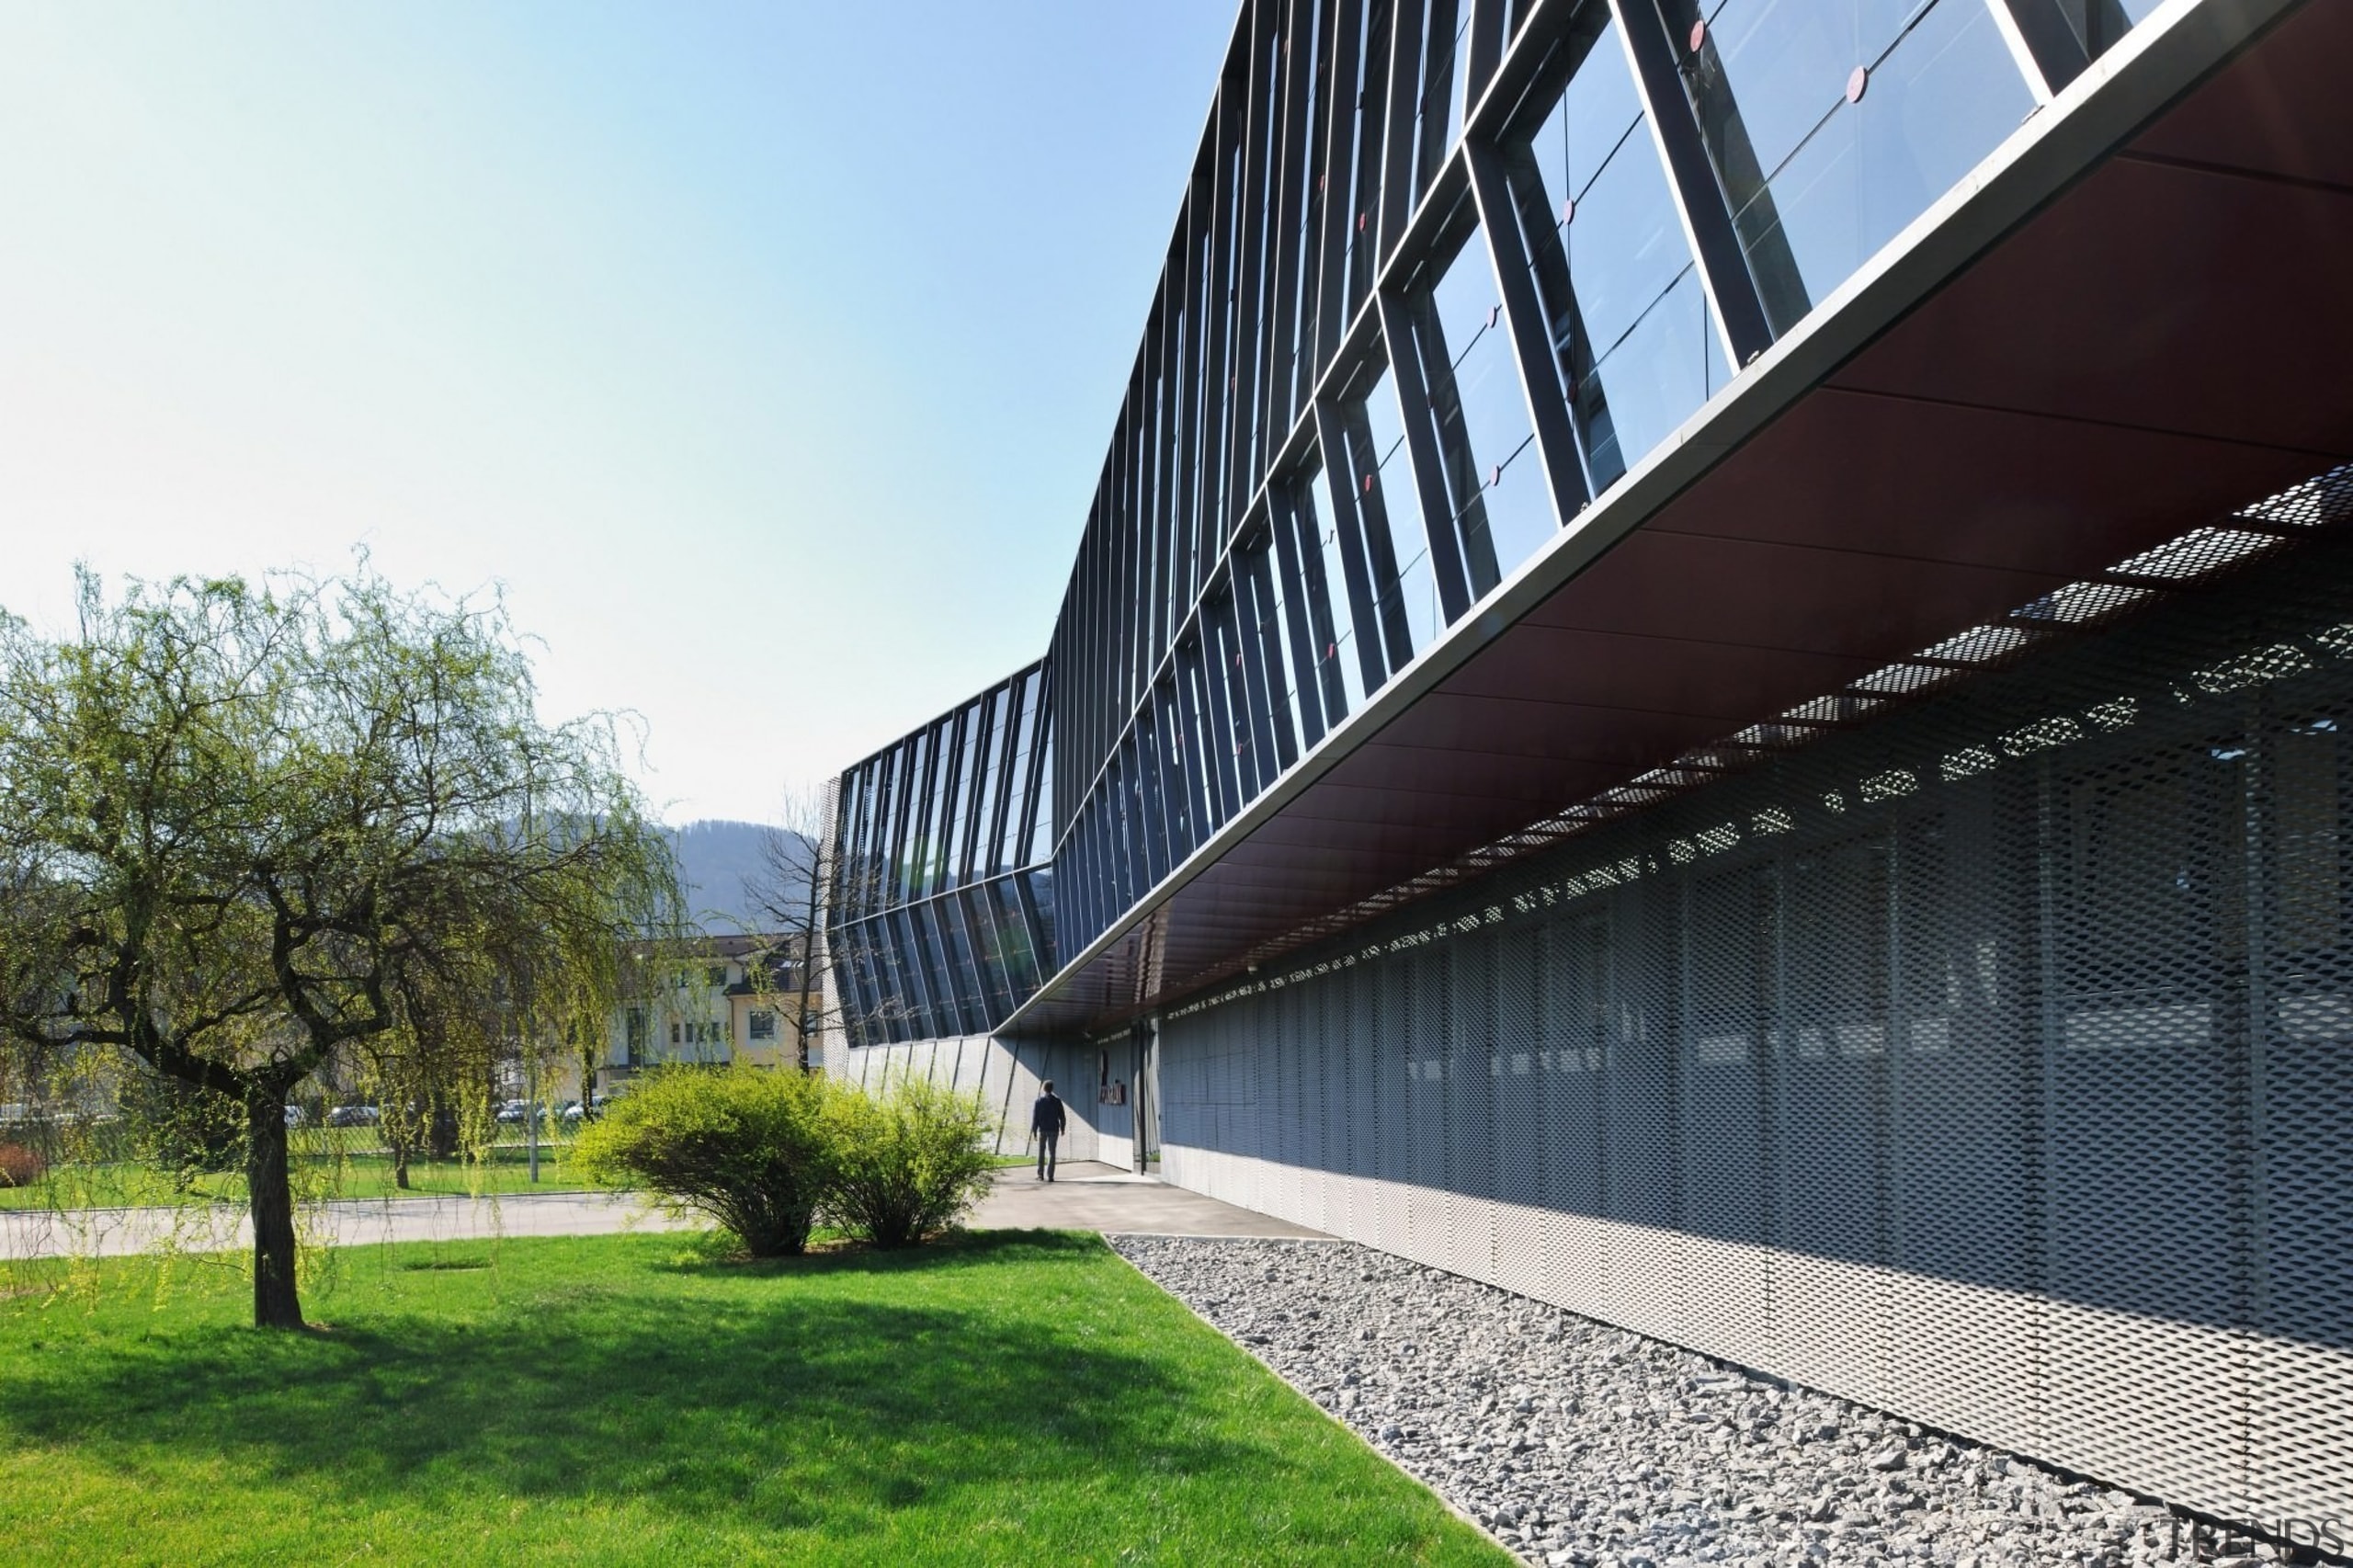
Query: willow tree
x,y
244,827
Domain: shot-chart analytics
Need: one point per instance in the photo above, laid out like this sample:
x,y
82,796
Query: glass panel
x,y
1338,655
1253,763
1446,54
988,944
1385,476
1363,164
1816,183
942,803
1040,835
1012,852
1628,318
988,823
1042,891
959,794
2100,24
963,977
1485,439
908,851
1264,575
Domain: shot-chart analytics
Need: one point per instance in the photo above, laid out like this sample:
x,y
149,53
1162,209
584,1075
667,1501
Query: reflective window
x,y
1040,842
1338,658
1816,179
943,809
1359,169
2100,25
1020,954
1437,111
1627,315
1404,586
1264,574
1485,439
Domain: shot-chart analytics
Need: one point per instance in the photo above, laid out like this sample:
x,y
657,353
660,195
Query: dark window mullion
x,y
1407,339
1349,523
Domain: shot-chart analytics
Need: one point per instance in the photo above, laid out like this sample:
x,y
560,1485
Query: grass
x,y
1013,1397
506,1170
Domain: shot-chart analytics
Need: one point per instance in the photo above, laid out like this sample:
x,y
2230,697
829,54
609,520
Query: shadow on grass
x,y
763,1408
717,1254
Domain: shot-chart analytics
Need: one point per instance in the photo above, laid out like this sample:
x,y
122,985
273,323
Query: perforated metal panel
x,y
1992,1062
1521,1075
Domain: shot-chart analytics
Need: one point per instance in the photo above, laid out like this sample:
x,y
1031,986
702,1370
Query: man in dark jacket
x,y
1047,1119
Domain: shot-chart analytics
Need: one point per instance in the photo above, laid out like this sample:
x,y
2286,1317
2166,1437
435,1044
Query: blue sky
x,y
766,355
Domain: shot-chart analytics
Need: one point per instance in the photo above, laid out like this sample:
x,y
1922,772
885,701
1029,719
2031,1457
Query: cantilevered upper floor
x,y
1547,405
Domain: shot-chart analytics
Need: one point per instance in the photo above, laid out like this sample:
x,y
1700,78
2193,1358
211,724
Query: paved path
x,y
1103,1197
111,1232
1086,1197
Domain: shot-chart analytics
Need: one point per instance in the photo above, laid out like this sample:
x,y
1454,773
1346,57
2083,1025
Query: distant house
x,y
712,1000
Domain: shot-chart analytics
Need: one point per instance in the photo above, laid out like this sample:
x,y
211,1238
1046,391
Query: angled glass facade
x,y
1445,273
1411,324
941,912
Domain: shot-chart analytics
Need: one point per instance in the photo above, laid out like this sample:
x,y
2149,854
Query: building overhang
x,y
2133,318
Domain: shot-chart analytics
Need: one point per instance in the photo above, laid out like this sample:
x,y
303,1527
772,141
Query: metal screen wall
x,y
1992,1064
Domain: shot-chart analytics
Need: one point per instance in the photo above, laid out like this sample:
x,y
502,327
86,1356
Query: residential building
x,y
712,1000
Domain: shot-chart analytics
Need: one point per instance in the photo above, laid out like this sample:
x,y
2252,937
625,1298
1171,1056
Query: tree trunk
x,y
441,1130
276,1304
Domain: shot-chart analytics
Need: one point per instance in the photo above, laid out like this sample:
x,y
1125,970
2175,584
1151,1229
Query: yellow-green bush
x,y
753,1149
909,1161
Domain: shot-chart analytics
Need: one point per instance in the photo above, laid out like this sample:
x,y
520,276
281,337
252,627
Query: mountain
x,y
716,861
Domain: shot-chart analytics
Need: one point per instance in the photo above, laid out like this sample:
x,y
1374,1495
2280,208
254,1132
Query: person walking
x,y
1048,1117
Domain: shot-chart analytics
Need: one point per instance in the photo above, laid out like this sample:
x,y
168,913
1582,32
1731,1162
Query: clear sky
x,y
766,354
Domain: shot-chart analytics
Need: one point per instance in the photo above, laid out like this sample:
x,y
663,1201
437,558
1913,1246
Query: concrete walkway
x,y
1086,1198
115,1232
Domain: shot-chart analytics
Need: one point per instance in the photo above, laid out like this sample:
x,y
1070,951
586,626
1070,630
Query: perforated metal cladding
x,y
1992,1064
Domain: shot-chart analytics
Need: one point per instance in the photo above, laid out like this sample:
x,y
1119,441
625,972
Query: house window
x,y
633,1032
762,1024
715,976
675,1034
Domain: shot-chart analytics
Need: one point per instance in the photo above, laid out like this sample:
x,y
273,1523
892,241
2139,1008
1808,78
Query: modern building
x,y
1709,679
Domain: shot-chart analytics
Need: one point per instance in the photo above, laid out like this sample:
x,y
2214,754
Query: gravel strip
x,y
1576,1443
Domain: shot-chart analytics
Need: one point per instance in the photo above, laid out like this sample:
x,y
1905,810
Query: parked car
x,y
575,1113
294,1117
514,1113
353,1116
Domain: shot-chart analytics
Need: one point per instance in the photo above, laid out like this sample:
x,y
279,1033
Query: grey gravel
x,y
1577,1443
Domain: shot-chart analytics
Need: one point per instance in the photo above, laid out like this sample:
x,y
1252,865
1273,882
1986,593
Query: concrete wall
x,y
1007,1074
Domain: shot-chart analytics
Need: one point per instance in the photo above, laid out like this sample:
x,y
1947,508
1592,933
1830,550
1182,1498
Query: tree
x,y
251,825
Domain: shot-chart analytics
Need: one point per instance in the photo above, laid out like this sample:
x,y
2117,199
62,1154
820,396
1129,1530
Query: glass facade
x,y
1407,328
1342,433
942,912
1830,124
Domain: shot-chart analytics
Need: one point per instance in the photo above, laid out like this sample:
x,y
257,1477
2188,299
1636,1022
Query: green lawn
x,y
1015,1397
506,1170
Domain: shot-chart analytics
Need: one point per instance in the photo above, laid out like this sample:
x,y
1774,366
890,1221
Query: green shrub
x,y
749,1148
911,1161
